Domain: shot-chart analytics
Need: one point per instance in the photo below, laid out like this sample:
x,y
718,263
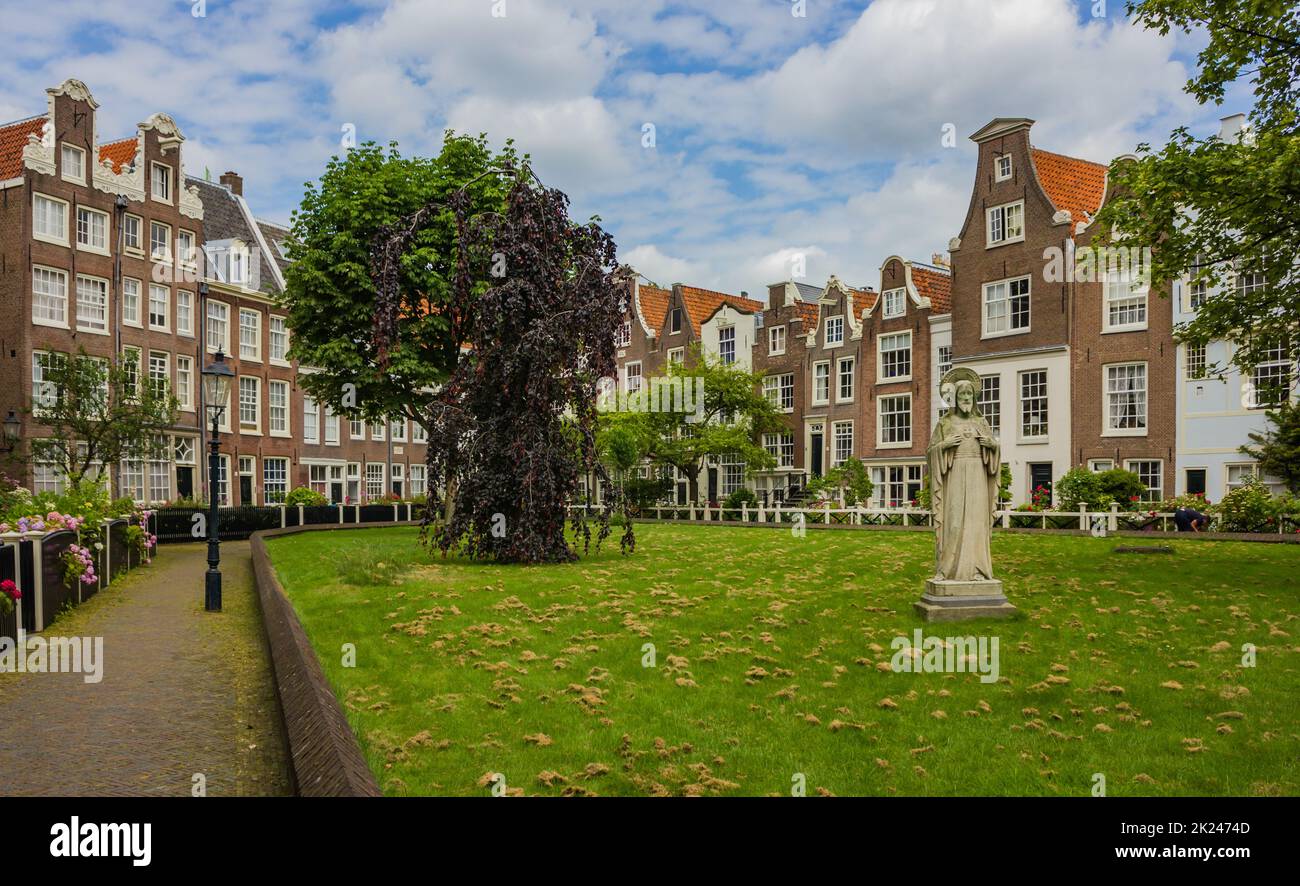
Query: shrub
x,y
1080,485
305,495
644,492
1248,508
1122,486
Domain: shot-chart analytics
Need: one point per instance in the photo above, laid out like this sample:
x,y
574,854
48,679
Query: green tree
x,y
849,478
729,420
99,413
1277,449
331,292
1219,209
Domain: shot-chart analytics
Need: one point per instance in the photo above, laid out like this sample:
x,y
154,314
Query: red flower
x,y
10,589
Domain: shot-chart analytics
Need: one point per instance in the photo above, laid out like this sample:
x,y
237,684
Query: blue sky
x,y
776,135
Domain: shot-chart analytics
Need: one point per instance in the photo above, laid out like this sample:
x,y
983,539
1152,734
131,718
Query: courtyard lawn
x,y
772,657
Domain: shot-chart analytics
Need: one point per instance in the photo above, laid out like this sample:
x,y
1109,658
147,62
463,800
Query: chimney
x,y
1230,128
939,259
234,182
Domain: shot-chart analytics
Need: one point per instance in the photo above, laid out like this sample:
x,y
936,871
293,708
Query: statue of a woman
x,y
965,467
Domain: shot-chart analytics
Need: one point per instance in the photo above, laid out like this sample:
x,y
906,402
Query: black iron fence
x,y
174,525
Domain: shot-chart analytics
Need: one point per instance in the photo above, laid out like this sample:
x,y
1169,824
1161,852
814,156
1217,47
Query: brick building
x,y
99,251
1069,368
907,347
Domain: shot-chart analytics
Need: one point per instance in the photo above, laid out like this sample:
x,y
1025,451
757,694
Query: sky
x,y
720,142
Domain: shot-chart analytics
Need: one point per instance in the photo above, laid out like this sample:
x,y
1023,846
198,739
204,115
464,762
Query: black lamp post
x,y
216,388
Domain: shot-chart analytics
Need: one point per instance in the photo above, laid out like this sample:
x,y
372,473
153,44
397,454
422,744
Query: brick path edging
x,y
327,761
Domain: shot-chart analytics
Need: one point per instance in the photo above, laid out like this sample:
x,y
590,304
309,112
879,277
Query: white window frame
x,y
1099,465
881,377
397,429
623,337
1194,369
1116,293
776,340
357,428
310,420
138,248
283,332
629,375
839,328
836,438
168,182
268,494
893,303
1021,401
1108,414
727,345
1002,211
1160,475
891,400
133,287
331,427
819,365
253,353
102,285
64,149
158,359
988,288
186,329
677,355
209,320
275,384
256,426
166,325
54,274
165,256
89,244
185,387
60,239
1001,174
186,255
840,379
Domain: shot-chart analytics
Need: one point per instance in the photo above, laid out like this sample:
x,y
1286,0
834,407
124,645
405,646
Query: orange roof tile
x,y
654,305
936,286
120,153
701,303
863,300
808,313
13,138
1072,184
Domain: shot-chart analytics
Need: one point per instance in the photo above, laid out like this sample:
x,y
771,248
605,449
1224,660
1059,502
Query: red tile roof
x,y
13,138
1072,184
654,305
863,300
701,303
808,312
936,286
121,153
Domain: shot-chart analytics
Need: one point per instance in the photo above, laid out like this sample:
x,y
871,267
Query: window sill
x,y
93,250
902,379
1111,330
1010,242
89,331
988,335
1111,432
53,324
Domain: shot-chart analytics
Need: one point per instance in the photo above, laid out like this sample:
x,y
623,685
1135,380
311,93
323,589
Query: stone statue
x,y
965,467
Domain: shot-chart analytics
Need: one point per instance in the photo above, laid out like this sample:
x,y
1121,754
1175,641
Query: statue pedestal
x,y
945,600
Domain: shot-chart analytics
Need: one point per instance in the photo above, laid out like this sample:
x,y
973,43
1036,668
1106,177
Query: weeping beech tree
x,y
536,300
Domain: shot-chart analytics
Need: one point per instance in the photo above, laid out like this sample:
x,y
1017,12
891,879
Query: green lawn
x,y
772,661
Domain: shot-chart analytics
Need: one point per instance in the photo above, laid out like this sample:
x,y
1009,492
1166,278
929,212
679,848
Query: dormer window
x,y
238,264
1002,167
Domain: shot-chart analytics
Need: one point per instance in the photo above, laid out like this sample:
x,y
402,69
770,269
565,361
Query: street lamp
x,y
13,430
216,388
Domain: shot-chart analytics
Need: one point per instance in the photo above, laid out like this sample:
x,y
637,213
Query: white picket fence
x,y
831,514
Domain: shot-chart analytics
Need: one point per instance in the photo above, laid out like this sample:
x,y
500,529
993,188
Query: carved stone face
x,y
965,398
